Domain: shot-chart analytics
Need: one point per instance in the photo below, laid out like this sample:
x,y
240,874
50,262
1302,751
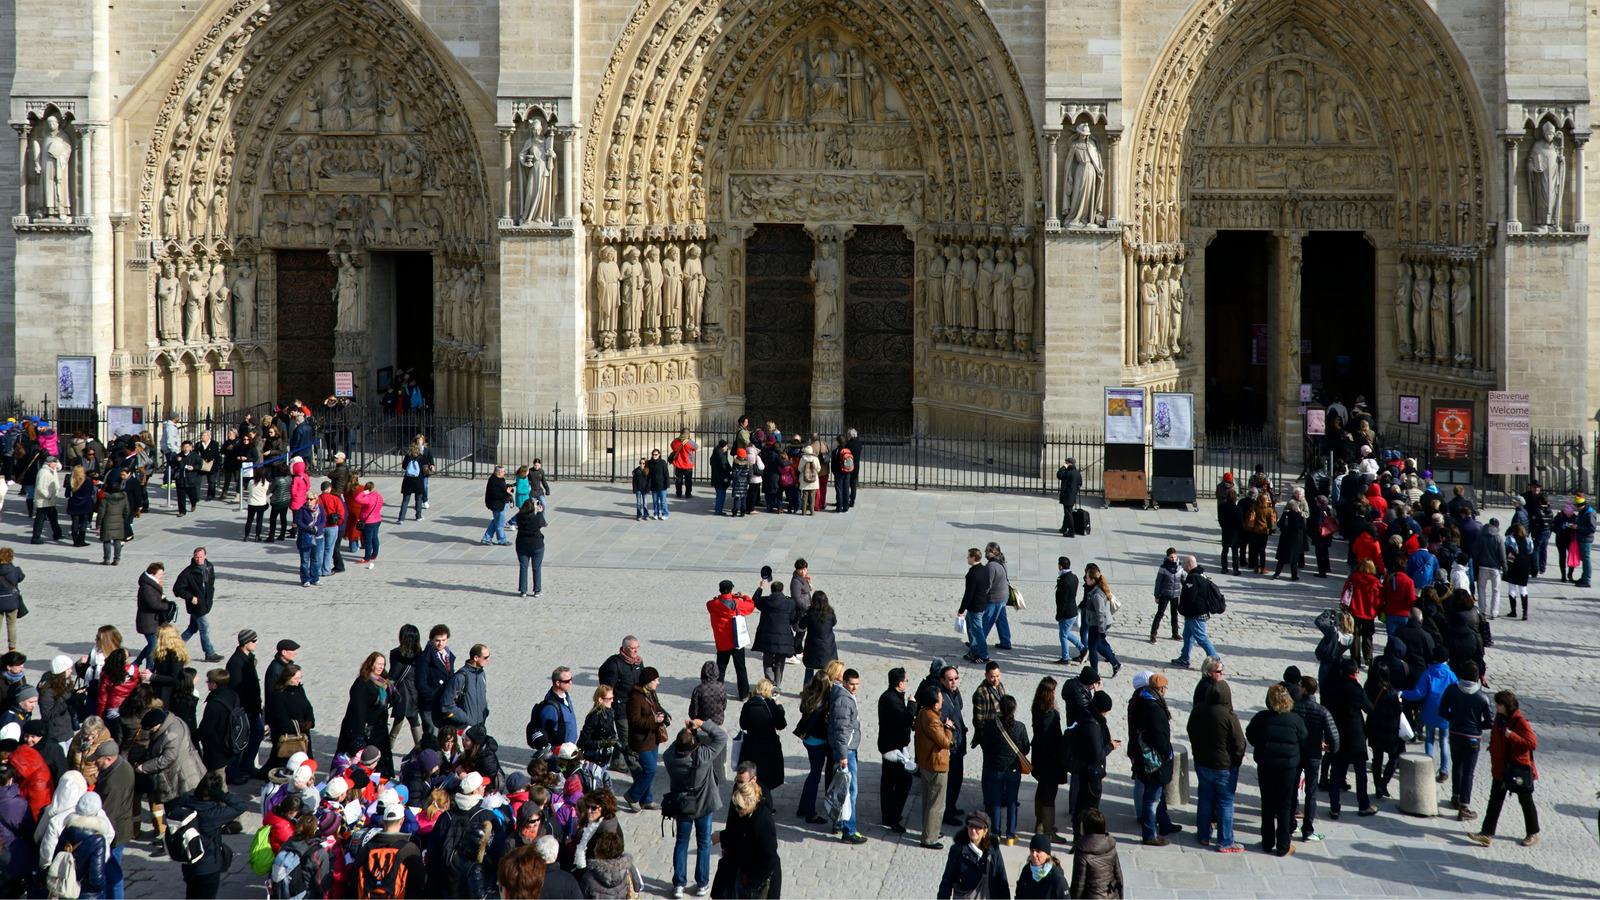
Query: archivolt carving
x,y
1293,77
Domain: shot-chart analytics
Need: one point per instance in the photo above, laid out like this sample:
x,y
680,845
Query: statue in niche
x,y
1163,304
217,219
311,109
697,198
169,317
1004,272
477,326
694,293
952,292
983,290
347,293
797,88
1402,311
244,301
715,308
1461,314
1149,313
299,169
1175,301
1326,120
199,210
1351,121
363,102
933,294
537,160
220,295
1439,310
608,281
966,293
678,200
1420,284
194,303
1085,179
632,296
1291,108
1022,303
1260,114
775,103
652,295
825,278
1239,112
52,165
828,91
335,112
171,214
1546,174
672,296
657,198
879,96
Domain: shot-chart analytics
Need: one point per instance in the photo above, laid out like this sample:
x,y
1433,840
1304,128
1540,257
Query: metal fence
x,y
98,421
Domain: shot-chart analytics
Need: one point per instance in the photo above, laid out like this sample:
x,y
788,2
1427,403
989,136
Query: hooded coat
x,y
1349,705
775,632
1096,870
299,484
709,699
1215,731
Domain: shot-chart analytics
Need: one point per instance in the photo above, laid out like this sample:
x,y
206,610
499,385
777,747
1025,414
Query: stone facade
x,y
1001,207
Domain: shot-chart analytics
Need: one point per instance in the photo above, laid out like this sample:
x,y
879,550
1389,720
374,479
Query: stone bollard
x,y
1418,791
1178,787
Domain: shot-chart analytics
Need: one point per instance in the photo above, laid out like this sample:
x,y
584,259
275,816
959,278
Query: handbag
x,y
1328,527
1519,778
1407,733
1014,599
1346,597
1574,558
206,464
287,745
1113,604
1027,767
170,614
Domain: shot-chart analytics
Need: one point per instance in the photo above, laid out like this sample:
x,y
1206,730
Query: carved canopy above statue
x,y
1361,107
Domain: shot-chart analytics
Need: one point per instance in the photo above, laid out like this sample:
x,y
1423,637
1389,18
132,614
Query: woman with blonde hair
x,y
598,738
82,495
750,862
813,731
80,750
168,662
1258,523
10,593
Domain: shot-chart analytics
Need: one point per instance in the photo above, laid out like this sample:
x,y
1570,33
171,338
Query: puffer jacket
x,y
299,484
114,512
1320,728
605,879
709,699
1096,870
1215,732
282,492
1169,579
90,839
1430,690
1277,739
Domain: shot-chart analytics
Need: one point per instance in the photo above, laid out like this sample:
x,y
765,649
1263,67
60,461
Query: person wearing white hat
x,y
389,863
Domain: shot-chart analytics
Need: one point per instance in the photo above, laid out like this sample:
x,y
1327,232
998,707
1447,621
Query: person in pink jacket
x,y
299,484
371,503
723,608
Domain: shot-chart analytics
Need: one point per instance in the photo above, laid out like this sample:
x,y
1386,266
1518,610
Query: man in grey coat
x,y
464,702
844,739
692,766
999,593
1489,559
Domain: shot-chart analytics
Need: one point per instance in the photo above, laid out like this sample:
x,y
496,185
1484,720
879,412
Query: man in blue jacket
x,y
1430,690
433,672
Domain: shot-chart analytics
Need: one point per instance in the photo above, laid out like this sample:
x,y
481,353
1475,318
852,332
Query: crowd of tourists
x,y
755,470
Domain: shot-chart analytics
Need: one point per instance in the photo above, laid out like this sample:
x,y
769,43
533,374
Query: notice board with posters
x,y
1124,445
1452,441
1508,432
1172,449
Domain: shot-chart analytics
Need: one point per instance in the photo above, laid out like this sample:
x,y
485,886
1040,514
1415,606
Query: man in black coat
x,y
621,671
496,496
974,603
197,586
246,683
216,749
186,466
950,686
433,672
114,784
1071,482
1067,611
896,715
774,638
853,444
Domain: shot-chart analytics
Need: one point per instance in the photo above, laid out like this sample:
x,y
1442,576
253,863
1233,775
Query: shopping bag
x,y
961,624
741,633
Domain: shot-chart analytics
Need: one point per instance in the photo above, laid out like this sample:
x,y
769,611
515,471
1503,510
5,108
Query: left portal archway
x,y
321,126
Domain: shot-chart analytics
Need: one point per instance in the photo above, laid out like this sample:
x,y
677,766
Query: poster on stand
x,y
75,382
1508,432
121,420
1452,435
1124,415
1174,421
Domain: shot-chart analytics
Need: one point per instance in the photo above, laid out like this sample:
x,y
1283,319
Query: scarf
x,y
1039,872
631,659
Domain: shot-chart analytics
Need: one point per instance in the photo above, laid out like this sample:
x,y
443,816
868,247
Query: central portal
x,y
880,265
779,331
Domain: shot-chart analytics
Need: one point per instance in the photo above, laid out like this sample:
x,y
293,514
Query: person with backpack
x,y
1150,750
224,730
196,587
464,702
301,868
554,721
692,766
417,467
843,467
170,760
197,819
77,866
1199,599
1466,707
388,863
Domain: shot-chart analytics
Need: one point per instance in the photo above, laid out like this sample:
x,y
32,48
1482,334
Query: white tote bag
x,y
741,633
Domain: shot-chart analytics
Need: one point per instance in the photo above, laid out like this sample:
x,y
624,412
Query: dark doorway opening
x,y
880,265
1338,328
413,317
307,313
1237,343
779,326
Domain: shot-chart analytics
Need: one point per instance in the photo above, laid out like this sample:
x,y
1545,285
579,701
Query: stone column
x,y
566,137
1051,221
85,205
1512,225
827,352
1284,348
1113,138
508,216
22,168
119,226
1578,179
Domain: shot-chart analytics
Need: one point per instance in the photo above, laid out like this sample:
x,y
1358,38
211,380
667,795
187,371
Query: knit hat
x,y
977,819
60,664
1228,477
477,734
1291,675
935,666
427,761
1040,842
370,756
516,782
35,727
153,718
1102,702
741,453
90,805
246,635
1088,677
1141,679
26,692
647,675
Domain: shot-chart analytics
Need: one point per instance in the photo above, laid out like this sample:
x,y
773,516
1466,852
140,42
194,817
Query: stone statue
x,y
194,303
1163,322
632,296
199,209
347,291
1175,301
169,317
537,160
714,308
1402,311
1004,273
1547,172
652,295
1419,310
966,307
678,200
672,295
697,198
477,327
1085,179
1260,114
1022,304
219,295
335,112
1149,313
244,301
694,293
933,294
1461,314
657,198
880,97
218,220
608,279
827,87
856,74
952,293
171,220
52,163
1291,109
1327,112
1439,309
983,289
797,88
1239,112
825,289
363,103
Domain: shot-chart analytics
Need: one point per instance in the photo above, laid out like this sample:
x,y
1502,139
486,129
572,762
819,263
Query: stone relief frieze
x,y
815,197
1295,169
645,379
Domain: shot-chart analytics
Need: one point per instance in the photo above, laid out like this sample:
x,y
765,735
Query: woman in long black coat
x,y
762,720
402,677
286,708
774,638
1046,757
366,716
1322,511
1292,536
818,624
1349,705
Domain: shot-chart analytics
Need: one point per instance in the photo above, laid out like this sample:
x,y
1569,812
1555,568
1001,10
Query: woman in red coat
x,y
1366,547
1511,746
1361,597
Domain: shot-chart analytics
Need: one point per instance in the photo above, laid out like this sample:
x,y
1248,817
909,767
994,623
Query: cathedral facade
x,y
932,214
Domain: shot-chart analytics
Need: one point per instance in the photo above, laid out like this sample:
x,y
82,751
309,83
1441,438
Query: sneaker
x,y
1156,842
1481,839
896,828
1530,840
1369,811
424,504
1181,663
214,658
537,594
857,837
651,805
1115,668
1011,842
1311,838
371,564
703,890
1231,848
677,890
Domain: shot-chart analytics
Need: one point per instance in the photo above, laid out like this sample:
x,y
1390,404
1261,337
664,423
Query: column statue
x,y
347,292
694,292
194,304
52,163
1022,304
244,302
1149,313
632,296
1175,301
537,160
933,294
983,291
967,308
952,292
1461,314
1402,311
169,315
1004,274
1546,175
1439,308
825,278
608,279
1419,311
219,295
672,295
652,295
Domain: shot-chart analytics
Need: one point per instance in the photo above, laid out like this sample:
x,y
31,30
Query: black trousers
x,y
683,482
1336,779
188,490
1497,798
202,887
737,655
1309,769
45,514
1277,808
893,791
952,790
1163,604
1085,794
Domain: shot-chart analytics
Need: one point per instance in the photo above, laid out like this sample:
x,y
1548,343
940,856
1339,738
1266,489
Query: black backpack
x,y
544,745
1216,604
183,841
238,730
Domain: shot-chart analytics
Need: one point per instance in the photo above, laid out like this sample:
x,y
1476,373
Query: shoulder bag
x,y
1022,760
288,745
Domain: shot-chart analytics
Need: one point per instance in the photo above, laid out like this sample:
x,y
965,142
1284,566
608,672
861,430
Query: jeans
x,y
992,616
977,626
1441,734
1002,626
496,531
413,500
534,560
1150,801
1391,624
848,824
643,790
148,651
841,492
1541,549
700,830
817,754
1217,787
1096,642
1465,752
113,873
310,571
1067,629
327,541
722,499
369,541
641,508
1194,632
111,550
199,625
1583,554
1000,798
658,504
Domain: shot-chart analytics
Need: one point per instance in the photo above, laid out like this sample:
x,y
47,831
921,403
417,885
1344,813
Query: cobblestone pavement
x,y
892,567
